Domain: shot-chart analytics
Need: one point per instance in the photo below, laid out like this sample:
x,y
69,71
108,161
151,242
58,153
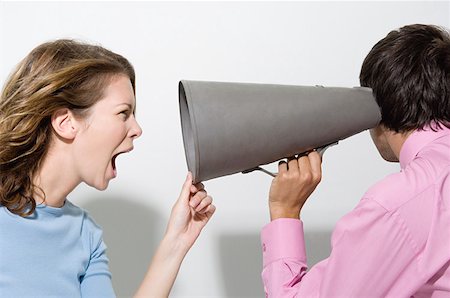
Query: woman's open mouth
x,y
113,160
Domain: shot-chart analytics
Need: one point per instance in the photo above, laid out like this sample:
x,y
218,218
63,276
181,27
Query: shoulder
x,y
413,195
77,211
417,180
6,219
4,213
436,156
390,192
90,230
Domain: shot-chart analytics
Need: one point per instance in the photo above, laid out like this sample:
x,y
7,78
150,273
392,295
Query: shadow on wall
x,y
129,231
131,234
241,260
241,264
318,245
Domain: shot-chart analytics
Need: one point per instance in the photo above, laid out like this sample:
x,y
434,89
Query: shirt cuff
x,y
283,238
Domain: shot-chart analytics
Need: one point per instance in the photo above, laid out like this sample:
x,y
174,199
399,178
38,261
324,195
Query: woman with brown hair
x,y
66,113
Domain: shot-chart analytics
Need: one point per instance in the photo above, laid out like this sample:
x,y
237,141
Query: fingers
x,y
282,167
289,168
201,202
316,166
296,180
293,165
207,201
208,210
186,189
197,187
307,167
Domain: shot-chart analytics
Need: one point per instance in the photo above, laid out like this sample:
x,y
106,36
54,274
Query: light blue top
x,y
56,252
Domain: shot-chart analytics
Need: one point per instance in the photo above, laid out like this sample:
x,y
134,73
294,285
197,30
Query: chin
x,y
391,160
389,157
102,185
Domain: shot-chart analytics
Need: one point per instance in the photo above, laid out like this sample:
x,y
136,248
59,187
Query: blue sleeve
x,y
97,280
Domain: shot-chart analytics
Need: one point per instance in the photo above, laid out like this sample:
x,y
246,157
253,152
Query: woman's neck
x,y
55,177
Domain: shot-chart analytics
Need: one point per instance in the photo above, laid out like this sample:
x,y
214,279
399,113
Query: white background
x,y
298,43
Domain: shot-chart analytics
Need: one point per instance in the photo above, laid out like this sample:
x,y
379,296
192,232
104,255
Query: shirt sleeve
x,y
373,255
97,280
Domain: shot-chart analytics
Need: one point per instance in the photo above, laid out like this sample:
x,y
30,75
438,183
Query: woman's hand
x,y
295,182
190,214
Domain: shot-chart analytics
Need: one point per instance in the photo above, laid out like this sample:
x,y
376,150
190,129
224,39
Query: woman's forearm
x,y
163,269
190,213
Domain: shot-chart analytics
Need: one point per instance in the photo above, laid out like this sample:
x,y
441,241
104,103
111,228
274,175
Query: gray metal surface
x,y
232,127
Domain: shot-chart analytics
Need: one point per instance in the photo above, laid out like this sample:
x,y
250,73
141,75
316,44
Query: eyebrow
x,y
129,106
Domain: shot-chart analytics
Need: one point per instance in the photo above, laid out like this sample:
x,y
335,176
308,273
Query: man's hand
x,y
296,180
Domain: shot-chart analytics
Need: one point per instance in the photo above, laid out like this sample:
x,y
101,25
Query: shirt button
x,y
264,247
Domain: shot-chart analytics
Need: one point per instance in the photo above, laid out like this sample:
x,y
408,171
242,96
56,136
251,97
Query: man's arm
x,y
373,252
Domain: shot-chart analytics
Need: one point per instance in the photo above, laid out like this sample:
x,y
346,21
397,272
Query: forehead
x,y
119,91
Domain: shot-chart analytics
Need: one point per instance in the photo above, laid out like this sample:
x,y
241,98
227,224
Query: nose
x,y
135,129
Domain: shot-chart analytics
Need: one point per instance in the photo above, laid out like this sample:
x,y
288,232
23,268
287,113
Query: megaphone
x,y
236,127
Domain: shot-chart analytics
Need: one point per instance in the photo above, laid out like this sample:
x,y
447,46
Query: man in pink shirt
x,y
396,242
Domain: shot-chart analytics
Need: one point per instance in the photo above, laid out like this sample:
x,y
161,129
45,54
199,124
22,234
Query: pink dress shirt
x,y
395,243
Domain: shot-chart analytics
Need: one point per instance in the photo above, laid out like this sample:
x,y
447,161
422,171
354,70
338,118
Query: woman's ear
x,y
64,124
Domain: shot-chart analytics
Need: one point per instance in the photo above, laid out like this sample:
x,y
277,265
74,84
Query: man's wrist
x,y
283,212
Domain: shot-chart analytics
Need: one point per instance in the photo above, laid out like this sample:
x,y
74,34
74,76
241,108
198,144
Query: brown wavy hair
x,y
55,75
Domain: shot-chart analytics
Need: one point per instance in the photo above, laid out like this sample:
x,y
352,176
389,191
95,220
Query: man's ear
x,y
64,124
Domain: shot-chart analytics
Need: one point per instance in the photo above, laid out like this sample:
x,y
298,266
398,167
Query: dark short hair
x,y
408,71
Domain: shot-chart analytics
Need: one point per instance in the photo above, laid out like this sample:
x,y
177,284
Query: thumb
x,y
186,189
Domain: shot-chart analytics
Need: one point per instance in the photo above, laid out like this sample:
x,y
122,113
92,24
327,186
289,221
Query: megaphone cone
x,y
232,127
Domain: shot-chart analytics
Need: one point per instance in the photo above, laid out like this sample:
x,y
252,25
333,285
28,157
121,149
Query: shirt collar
x,y
419,139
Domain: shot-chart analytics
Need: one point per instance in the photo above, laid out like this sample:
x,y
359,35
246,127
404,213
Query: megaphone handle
x,y
262,170
320,150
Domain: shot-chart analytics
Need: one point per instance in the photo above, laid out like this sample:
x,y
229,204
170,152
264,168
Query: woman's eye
x,y
124,114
